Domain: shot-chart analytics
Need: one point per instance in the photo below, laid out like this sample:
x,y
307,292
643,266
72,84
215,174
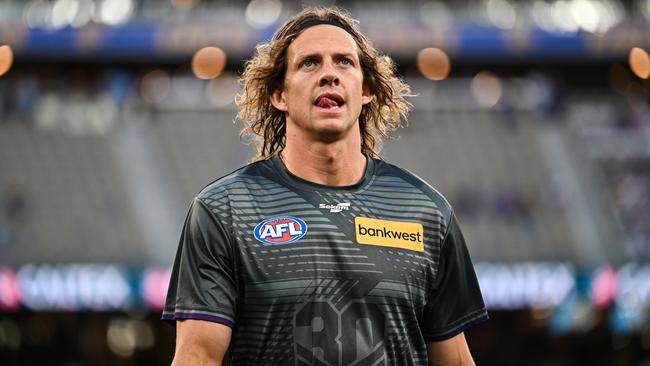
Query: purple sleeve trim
x,y
198,316
456,331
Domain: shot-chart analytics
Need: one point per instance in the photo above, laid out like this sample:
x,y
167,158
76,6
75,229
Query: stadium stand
x,y
74,199
80,187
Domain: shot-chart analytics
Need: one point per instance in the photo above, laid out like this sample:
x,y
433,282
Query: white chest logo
x,y
336,208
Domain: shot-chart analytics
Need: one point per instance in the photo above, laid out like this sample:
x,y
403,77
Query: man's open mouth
x,y
329,101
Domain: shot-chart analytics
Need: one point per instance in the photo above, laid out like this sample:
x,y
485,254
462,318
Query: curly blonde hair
x,y
265,73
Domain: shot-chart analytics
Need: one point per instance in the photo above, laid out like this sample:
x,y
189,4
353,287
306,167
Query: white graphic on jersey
x,y
336,208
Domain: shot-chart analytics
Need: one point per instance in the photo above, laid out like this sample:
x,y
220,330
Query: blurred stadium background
x,y
531,116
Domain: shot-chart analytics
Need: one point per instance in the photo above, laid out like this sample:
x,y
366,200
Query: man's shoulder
x,y
386,169
245,175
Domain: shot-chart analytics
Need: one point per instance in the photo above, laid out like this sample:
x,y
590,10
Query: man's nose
x,y
329,75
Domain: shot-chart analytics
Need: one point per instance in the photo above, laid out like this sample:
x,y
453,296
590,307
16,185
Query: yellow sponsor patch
x,y
384,233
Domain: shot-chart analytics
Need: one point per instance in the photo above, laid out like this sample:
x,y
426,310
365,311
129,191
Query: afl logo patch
x,y
280,230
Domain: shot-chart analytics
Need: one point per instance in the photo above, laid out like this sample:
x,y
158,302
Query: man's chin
x,y
332,133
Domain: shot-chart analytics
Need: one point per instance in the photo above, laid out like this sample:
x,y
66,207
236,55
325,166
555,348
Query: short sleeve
x,y
456,303
203,283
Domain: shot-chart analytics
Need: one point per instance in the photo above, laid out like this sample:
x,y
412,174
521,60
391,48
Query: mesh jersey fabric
x,y
332,294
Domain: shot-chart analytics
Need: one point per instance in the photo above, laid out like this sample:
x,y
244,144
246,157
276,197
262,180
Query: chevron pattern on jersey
x,y
323,299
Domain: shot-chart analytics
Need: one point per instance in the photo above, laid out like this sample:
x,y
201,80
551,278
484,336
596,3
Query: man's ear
x,y
366,95
278,101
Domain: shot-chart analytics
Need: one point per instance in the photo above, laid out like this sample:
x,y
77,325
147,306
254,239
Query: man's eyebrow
x,y
345,54
305,56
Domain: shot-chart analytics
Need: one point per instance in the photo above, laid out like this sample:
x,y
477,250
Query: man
x,y
319,253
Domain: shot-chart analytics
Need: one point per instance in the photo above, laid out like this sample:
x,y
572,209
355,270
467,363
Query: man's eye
x,y
307,63
346,61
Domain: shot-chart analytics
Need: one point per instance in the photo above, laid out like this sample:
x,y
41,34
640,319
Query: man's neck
x,y
334,164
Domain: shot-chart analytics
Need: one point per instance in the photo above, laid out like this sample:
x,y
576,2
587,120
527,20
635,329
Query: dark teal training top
x,y
307,274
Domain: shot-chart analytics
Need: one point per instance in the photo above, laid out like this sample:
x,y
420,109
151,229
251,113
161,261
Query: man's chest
x,y
344,247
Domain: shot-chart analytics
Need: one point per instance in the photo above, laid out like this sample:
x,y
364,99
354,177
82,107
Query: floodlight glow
x,y
437,15
84,13
6,59
561,15
501,13
262,13
639,61
155,86
208,62
63,13
486,89
36,14
585,15
541,14
433,63
115,12
221,91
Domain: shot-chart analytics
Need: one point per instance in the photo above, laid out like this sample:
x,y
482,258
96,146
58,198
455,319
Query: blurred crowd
x,y
79,102
630,191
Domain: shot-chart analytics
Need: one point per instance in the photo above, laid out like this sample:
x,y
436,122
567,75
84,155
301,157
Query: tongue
x,y
326,102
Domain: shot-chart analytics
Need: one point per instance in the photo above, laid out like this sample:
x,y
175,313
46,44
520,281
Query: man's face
x,y
323,87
